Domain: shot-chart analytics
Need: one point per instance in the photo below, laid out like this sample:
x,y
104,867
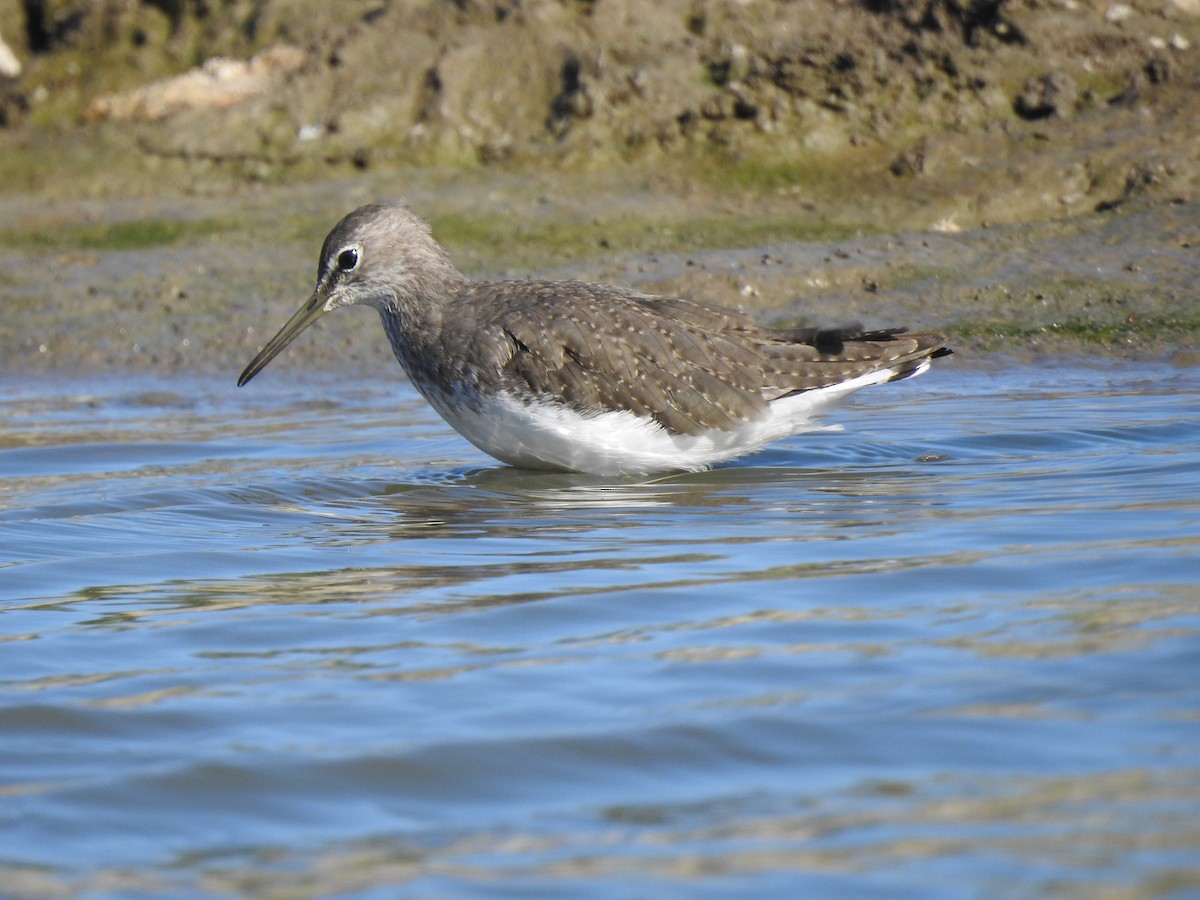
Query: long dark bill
x,y
305,316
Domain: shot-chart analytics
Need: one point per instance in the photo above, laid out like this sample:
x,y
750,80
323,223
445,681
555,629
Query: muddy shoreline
x,y
1024,176
1111,285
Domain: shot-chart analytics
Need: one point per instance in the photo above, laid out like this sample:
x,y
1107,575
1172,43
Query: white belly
x,y
552,436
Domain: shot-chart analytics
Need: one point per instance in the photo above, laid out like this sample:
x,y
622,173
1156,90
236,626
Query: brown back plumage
x,y
689,366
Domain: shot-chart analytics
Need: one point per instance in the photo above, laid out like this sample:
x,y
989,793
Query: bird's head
x,y
378,256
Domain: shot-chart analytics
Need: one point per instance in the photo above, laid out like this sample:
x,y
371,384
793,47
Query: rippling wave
x,y
309,642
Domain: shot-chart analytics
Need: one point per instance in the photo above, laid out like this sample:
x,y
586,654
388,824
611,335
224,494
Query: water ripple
x,y
315,644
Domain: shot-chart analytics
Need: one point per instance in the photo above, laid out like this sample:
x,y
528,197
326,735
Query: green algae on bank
x,y
132,235
201,292
496,243
1135,331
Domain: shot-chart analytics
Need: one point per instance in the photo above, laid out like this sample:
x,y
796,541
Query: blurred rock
x,y
217,84
1054,95
10,66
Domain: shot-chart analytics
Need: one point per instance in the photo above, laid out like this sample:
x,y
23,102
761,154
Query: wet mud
x,y
1023,175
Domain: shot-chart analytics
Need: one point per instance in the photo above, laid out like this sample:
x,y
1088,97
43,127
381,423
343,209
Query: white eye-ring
x,y
347,260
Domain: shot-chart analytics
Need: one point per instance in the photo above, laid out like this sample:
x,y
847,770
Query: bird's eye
x,y
348,259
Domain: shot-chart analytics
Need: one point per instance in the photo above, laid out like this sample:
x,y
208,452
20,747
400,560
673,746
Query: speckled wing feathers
x,y
689,366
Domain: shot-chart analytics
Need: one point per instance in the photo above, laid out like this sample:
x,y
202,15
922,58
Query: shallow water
x,y
301,640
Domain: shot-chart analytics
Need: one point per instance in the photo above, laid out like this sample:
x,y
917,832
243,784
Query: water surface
x,y
302,640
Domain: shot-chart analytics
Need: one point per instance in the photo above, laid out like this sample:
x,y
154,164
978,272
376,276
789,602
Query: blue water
x,y
301,640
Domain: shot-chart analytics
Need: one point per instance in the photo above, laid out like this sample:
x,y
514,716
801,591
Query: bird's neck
x,y
418,306
415,321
